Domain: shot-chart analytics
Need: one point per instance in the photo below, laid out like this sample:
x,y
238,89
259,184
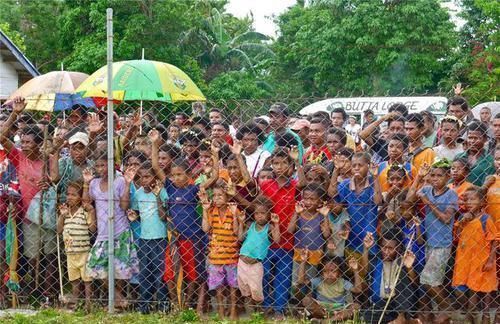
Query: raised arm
x,y
366,134
54,167
205,204
132,130
88,175
292,226
155,138
236,150
412,197
17,108
63,212
358,280
129,176
275,229
333,187
325,224
215,170
368,242
377,192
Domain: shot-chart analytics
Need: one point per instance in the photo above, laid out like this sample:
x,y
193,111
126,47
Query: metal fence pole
x,y
111,163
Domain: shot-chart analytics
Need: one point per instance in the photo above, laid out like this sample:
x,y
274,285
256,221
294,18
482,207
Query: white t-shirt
x,y
255,161
353,131
445,152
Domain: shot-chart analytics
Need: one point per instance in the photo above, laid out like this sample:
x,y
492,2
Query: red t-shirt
x,y
29,172
284,199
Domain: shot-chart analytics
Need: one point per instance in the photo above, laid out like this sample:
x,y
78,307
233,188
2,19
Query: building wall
x,y
9,79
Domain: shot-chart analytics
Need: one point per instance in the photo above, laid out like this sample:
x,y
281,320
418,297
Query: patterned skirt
x,y
125,262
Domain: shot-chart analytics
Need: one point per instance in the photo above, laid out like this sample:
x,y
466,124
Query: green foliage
x,y
478,61
364,45
13,35
238,85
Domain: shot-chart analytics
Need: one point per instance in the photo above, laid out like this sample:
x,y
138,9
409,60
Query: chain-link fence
x,y
372,212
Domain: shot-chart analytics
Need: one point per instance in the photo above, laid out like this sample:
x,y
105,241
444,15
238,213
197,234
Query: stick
x,y
61,296
397,276
40,213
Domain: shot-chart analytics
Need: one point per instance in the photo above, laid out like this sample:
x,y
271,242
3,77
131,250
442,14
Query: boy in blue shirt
x,y
441,205
149,201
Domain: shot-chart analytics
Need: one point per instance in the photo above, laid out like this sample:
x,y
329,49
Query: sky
x,y
262,11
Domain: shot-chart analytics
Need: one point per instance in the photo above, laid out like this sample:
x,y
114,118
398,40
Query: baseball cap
x,y
79,138
280,108
299,124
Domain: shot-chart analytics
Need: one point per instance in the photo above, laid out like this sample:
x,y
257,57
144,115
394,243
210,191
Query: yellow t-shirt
x,y
425,156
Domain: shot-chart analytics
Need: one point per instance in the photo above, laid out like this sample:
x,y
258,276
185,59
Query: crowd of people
x,y
274,213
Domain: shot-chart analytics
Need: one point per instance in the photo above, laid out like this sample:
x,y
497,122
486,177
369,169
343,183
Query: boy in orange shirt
x,y
475,268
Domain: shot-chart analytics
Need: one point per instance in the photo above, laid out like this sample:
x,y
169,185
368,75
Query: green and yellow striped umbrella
x,y
142,80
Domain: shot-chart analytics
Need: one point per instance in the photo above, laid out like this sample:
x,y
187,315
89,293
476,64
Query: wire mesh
x,y
242,206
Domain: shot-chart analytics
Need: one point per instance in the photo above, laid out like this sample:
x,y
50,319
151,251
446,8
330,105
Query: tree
x,y
238,85
219,51
13,35
477,61
366,46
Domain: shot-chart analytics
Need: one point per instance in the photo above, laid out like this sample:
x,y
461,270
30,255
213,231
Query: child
x,y
475,269
220,222
492,186
401,215
360,195
336,139
148,201
450,131
75,222
162,156
385,280
418,153
257,239
187,235
396,148
245,186
278,264
312,173
329,295
310,226
266,173
174,131
460,169
125,254
441,204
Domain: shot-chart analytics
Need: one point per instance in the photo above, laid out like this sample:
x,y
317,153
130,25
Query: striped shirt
x,y
76,232
223,245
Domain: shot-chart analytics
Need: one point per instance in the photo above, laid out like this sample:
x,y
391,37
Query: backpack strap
x,y
408,169
411,155
484,219
381,167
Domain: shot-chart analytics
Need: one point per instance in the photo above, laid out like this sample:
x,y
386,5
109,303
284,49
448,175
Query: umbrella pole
x,y
140,116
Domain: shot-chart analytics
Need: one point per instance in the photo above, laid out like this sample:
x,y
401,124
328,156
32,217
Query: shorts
x,y
125,259
250,278
31,241
436,261
220,274
77,266
191,260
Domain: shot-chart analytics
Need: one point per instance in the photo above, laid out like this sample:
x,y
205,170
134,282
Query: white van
x,y
379,105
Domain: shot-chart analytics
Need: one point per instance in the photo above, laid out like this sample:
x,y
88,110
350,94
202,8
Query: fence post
x,y
111,163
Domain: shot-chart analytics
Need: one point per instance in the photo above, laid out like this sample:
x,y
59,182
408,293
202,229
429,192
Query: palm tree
x,y
218,51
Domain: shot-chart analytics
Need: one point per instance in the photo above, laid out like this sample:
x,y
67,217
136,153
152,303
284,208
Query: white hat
x,y
79,137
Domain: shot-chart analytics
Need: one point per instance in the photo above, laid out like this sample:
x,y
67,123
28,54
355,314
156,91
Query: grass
x,y
53,316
